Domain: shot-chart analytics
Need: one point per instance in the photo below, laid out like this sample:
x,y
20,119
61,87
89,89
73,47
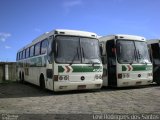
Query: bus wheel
x,y
42,83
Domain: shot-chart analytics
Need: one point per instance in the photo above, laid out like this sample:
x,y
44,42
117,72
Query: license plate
x,y
81,87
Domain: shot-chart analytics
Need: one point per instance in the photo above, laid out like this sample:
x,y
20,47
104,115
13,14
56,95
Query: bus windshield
x,y
142,52
72,49
129,51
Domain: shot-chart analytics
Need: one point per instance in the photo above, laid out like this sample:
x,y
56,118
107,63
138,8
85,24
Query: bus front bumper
x,y
67,86
126,83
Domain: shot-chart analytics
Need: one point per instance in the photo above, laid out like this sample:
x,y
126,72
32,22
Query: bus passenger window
x,y
37,49
23,54
31,51
27,52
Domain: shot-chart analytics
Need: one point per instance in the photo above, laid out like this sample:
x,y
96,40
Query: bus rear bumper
x,y
67,86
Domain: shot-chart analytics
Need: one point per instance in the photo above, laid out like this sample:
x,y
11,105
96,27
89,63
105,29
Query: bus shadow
x,y
128,88
18,90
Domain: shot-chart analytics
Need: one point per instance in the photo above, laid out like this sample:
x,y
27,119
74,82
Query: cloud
x,y
7,47
37,30
70,4
4,36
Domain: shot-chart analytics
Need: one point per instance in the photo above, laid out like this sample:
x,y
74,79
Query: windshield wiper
x,y
77,53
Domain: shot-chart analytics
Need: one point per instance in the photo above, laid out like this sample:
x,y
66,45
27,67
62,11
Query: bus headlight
x,y
66,77
149,74
60,77
63,77
123,75
98,76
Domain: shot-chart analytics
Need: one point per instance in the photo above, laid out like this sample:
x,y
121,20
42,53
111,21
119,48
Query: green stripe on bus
x,y
138,67
82,68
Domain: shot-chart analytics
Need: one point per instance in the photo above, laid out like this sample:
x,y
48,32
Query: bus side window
x,y
24,54
20,55
31,51
17,56
27,52
37,49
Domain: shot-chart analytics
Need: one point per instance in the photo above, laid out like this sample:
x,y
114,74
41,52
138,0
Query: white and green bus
x,y
126,61
62,60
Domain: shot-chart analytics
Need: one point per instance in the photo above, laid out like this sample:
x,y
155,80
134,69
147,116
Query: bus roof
x,y
151,41
122,36
73,33
60,32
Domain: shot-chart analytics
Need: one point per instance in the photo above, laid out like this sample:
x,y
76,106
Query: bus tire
x,y
42,82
